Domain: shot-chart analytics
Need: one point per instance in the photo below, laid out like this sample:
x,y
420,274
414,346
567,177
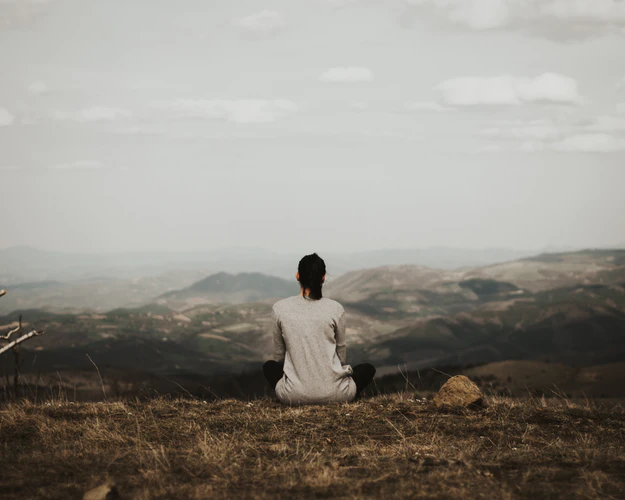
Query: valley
x,y
564,309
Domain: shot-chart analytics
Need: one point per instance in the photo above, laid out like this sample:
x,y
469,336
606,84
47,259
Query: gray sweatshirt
x,y
309,335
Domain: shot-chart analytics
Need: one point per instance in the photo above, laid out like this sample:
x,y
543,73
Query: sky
x,y
311,125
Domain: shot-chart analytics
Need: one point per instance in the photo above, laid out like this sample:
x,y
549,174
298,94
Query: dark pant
x,y
362,374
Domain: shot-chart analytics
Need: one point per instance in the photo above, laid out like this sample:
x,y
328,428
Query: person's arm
x,y
339,336
278,340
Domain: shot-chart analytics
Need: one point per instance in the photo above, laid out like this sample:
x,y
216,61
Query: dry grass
x,y
388,446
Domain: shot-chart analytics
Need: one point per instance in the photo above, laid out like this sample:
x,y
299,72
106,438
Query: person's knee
x,y
269,368
370,369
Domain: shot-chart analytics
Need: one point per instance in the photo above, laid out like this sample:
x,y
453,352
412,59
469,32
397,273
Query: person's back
x,y
313,335
310,346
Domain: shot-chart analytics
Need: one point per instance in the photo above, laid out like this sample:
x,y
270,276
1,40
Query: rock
x,y
107,491
458,391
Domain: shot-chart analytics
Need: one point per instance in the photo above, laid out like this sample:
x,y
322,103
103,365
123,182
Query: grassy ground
x,y
389,446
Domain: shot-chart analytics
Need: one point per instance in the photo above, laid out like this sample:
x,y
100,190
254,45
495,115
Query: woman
x,y
310,349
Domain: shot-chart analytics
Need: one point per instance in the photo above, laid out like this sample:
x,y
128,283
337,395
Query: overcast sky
x,y
311,125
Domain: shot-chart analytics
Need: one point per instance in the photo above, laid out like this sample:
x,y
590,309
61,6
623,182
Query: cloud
x,y
549,129
605,123
532,146
519,130
490,148
360,105
81,164
6,118
620,107
506,90
337,4
265,22
599,11
94,114
140,130
549,18
590,143
14,13
475,14
38,88
347,75
8,167
599,134
428,106
237,111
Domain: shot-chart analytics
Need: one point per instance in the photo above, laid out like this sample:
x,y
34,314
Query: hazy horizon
x,y
320,125
547,248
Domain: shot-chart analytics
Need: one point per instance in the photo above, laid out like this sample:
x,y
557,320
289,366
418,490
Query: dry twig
x,y
10,345
15,330
18,329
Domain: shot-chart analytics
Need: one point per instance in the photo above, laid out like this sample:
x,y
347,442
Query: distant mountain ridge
x,y
373,288
567,307
225,287
27,264
226,282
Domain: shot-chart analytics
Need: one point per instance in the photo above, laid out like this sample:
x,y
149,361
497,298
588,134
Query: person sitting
x,y
310,346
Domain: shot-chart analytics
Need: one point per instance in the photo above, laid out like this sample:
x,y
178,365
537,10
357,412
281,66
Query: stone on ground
x,y
458,391
107,491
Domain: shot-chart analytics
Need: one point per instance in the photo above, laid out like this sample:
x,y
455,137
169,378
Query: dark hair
x,y
311,269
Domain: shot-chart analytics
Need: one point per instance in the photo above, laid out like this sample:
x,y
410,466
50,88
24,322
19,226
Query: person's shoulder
x,y
335,304
282,303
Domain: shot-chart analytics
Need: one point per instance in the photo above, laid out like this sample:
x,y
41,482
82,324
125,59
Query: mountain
x,y
398,293
230,288
583,324
545,271
27,264
567,308
409,288
96,294
434,257
98,282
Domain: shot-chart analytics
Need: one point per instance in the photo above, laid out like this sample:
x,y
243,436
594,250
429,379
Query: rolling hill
x,y
567,308
227,288
97,294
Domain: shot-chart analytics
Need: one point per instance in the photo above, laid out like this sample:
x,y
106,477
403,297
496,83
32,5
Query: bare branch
x,y
8,335
10,345
15,330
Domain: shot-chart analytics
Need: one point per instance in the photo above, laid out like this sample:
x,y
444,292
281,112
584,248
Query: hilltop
x,y
225,287
394,446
